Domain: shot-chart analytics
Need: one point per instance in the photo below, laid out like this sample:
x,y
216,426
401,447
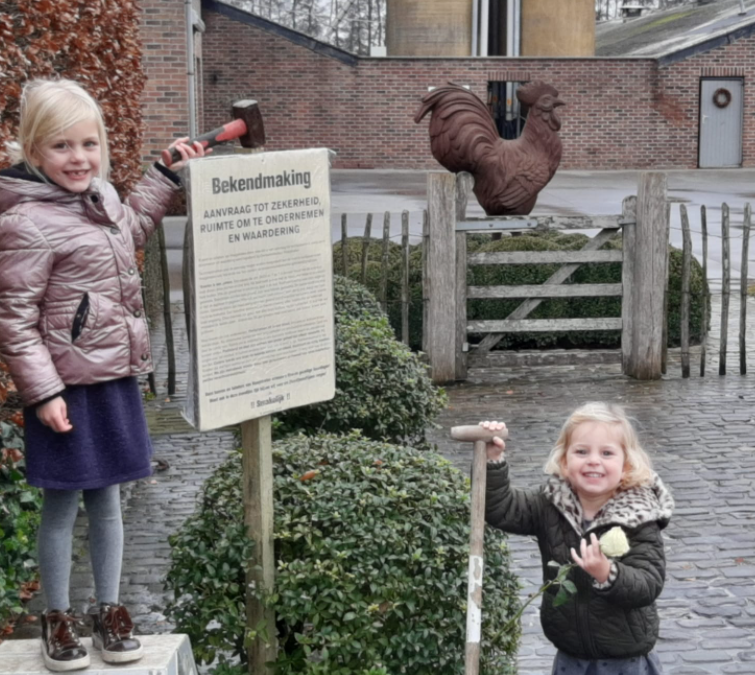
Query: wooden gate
x,y
644,223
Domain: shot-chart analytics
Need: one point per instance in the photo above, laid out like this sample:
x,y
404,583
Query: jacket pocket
x,y
80,318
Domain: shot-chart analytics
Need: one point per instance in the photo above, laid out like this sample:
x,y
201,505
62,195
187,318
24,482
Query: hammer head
x,y
249,112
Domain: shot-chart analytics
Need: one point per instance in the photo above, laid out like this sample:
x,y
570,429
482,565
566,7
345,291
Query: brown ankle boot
x,y
111,633
61,648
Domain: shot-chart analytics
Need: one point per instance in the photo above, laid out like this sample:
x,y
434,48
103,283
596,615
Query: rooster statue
x,y
507,174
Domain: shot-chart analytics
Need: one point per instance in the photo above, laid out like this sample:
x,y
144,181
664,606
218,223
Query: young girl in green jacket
x,y
600,482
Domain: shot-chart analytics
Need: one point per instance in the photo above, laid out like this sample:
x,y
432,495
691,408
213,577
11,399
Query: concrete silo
x,y
490,27
428,27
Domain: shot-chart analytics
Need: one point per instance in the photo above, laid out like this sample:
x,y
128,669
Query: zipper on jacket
x,y
583,617
80,318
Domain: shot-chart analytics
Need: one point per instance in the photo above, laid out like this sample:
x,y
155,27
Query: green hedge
x,y
371,550
483,275
20,507
382,387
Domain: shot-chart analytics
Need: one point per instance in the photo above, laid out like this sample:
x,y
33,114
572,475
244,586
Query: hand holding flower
x,y
614,543
592,560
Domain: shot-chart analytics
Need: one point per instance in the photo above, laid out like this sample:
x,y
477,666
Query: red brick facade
x,y
166,94
620,114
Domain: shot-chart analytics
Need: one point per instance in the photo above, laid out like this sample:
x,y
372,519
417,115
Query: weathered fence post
x,y
384,271
366,247
425,280
644,280
167,317
725,288
440,276
405,277
743,291
706,294
686,272
344,245
464,183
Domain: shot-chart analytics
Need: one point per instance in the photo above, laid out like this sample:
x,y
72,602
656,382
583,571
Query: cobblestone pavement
x,y
700,434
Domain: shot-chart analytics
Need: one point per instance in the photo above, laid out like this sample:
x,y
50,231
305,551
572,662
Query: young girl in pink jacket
x,y
74,335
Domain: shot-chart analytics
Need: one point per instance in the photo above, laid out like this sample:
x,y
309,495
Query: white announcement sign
x,y
262,337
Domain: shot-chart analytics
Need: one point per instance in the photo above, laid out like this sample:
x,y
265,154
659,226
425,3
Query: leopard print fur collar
x,y
628,508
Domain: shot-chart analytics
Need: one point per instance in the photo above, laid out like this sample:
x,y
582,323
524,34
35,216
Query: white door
x,y
721,122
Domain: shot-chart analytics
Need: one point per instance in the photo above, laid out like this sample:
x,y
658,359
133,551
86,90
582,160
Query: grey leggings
x,y
59,510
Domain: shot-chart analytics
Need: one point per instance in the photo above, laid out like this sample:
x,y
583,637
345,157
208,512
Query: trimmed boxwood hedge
x,y
371,547
382,387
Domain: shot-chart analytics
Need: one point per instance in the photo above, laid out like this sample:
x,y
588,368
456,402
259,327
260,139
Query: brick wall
x,y
166,95
620,114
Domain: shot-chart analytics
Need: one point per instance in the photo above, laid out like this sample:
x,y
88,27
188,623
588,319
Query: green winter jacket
x,y
617,619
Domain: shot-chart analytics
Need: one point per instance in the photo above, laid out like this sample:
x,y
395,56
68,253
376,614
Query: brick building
x,y
623,112
164,33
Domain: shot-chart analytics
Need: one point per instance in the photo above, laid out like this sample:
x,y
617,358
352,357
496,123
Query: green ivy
x,y
372,544
20,507
382,387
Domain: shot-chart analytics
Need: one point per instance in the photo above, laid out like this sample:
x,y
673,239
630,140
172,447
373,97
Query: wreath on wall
x,y
721,97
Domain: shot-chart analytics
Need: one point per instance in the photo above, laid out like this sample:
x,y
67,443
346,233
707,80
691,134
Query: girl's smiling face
x,y
594,461
71,158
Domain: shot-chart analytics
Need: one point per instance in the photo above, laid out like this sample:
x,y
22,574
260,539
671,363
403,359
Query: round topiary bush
x,y
371,551
382,387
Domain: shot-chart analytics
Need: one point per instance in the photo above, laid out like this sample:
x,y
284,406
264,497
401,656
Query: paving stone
x,y
698,431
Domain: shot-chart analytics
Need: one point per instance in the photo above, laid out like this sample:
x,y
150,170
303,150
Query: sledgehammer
x,y
247,126
479,437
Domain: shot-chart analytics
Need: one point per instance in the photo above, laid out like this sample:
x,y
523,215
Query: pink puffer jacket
x,y
71,307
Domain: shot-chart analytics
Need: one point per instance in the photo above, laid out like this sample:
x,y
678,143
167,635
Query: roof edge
x,y
707,44
301,39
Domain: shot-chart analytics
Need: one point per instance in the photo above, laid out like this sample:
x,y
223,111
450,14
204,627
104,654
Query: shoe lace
x,y
64,633
118,621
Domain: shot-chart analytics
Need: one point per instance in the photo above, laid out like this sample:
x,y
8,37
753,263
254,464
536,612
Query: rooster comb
x,y
532,91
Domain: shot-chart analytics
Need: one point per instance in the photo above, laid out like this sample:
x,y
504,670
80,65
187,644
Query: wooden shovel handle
x,y
474,432
479,436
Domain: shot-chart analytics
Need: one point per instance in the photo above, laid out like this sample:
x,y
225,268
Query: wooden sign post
x,y
260,283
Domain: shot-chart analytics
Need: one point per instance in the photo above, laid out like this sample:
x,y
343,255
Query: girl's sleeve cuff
x,y
165,171
612,575
497,463
47,400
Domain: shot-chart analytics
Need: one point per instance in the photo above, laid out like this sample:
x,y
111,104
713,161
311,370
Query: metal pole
x,y
475,27
484,26
190,69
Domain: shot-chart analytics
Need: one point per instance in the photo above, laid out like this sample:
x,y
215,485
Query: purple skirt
x,y
109,443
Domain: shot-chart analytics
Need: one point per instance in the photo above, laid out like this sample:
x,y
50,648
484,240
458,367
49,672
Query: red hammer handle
x,y
227,132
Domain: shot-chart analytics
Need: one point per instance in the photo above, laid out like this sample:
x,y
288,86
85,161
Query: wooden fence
x,y
341,262
726,260
644,223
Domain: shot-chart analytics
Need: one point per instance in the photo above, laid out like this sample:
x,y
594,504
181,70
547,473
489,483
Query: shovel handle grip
x,y
474,432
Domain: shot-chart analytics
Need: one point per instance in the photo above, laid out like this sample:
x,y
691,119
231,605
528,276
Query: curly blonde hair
x,y
49,107
637,466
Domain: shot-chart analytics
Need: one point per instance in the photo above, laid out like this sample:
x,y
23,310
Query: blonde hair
x,y
637,466
49,107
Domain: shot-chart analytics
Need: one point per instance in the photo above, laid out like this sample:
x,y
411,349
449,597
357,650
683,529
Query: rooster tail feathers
x,y
461,127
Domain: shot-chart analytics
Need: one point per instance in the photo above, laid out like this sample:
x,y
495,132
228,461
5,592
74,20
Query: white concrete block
x,y
163,655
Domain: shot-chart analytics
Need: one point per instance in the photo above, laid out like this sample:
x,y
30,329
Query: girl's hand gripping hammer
x,y
479,437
